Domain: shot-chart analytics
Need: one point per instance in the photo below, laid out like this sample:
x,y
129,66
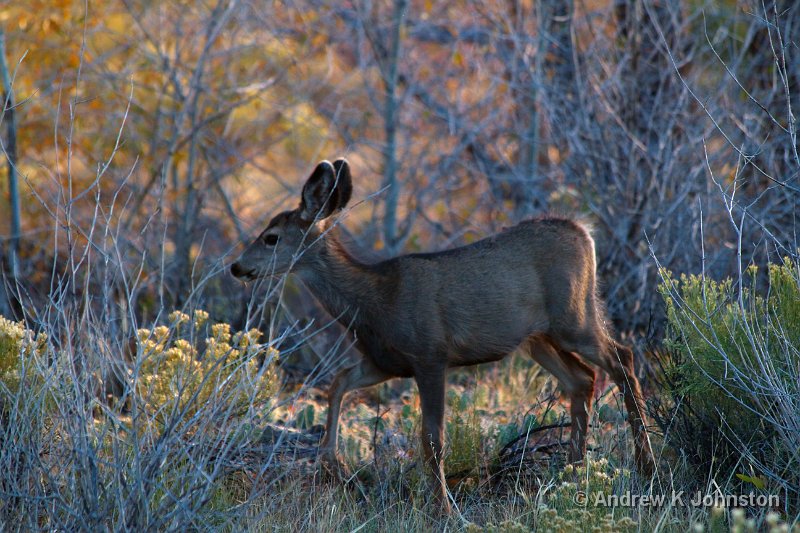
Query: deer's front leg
x,y
431,385
362,374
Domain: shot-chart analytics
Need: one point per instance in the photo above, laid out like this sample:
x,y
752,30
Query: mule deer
x,y
531,286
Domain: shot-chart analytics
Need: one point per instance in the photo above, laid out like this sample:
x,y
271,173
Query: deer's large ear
x,y
319,199
344,183
327,190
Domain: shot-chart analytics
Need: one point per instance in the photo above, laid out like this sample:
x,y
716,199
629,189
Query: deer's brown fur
x,y
531,286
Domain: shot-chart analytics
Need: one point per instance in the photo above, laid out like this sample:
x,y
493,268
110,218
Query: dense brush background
x,y
144,142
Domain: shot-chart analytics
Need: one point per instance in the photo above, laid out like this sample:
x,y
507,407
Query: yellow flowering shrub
x,y
19,347
177,370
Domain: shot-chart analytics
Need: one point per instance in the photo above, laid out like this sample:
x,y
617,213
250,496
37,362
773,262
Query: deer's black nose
x,y
239,272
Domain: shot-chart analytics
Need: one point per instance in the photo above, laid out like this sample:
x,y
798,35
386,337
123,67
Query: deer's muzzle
x,y
242,273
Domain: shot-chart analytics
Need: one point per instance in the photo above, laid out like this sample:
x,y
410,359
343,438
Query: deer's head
x,y
292,237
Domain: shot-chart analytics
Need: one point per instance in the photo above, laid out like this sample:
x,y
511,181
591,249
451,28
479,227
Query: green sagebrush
x,y
733,369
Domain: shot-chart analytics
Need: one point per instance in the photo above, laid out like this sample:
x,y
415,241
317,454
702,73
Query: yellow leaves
x,y
243,116
458,59
106,39
307,129
118,22
42,16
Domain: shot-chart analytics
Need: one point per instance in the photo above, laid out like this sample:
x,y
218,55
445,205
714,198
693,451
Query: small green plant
x,y
306,417
177,372
465,436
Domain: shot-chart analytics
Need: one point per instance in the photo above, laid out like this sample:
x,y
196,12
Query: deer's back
x,y
479,302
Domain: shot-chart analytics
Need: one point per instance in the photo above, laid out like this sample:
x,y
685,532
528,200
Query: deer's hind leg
x,y
576,378
616,359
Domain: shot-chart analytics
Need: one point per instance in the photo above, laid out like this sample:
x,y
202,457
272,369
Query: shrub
x,y
179,374
185,434
733,370
21,352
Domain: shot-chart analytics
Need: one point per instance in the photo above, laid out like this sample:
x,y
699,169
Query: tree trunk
x,y
390,129
559,68
10,267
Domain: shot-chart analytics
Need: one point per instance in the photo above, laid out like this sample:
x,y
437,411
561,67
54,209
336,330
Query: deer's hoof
x,y
332,465
439,501
444,508
646,465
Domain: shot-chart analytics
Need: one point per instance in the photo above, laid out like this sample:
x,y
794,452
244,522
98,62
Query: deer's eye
x,y
271,240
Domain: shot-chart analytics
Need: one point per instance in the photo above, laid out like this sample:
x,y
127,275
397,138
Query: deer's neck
x,y
351,290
